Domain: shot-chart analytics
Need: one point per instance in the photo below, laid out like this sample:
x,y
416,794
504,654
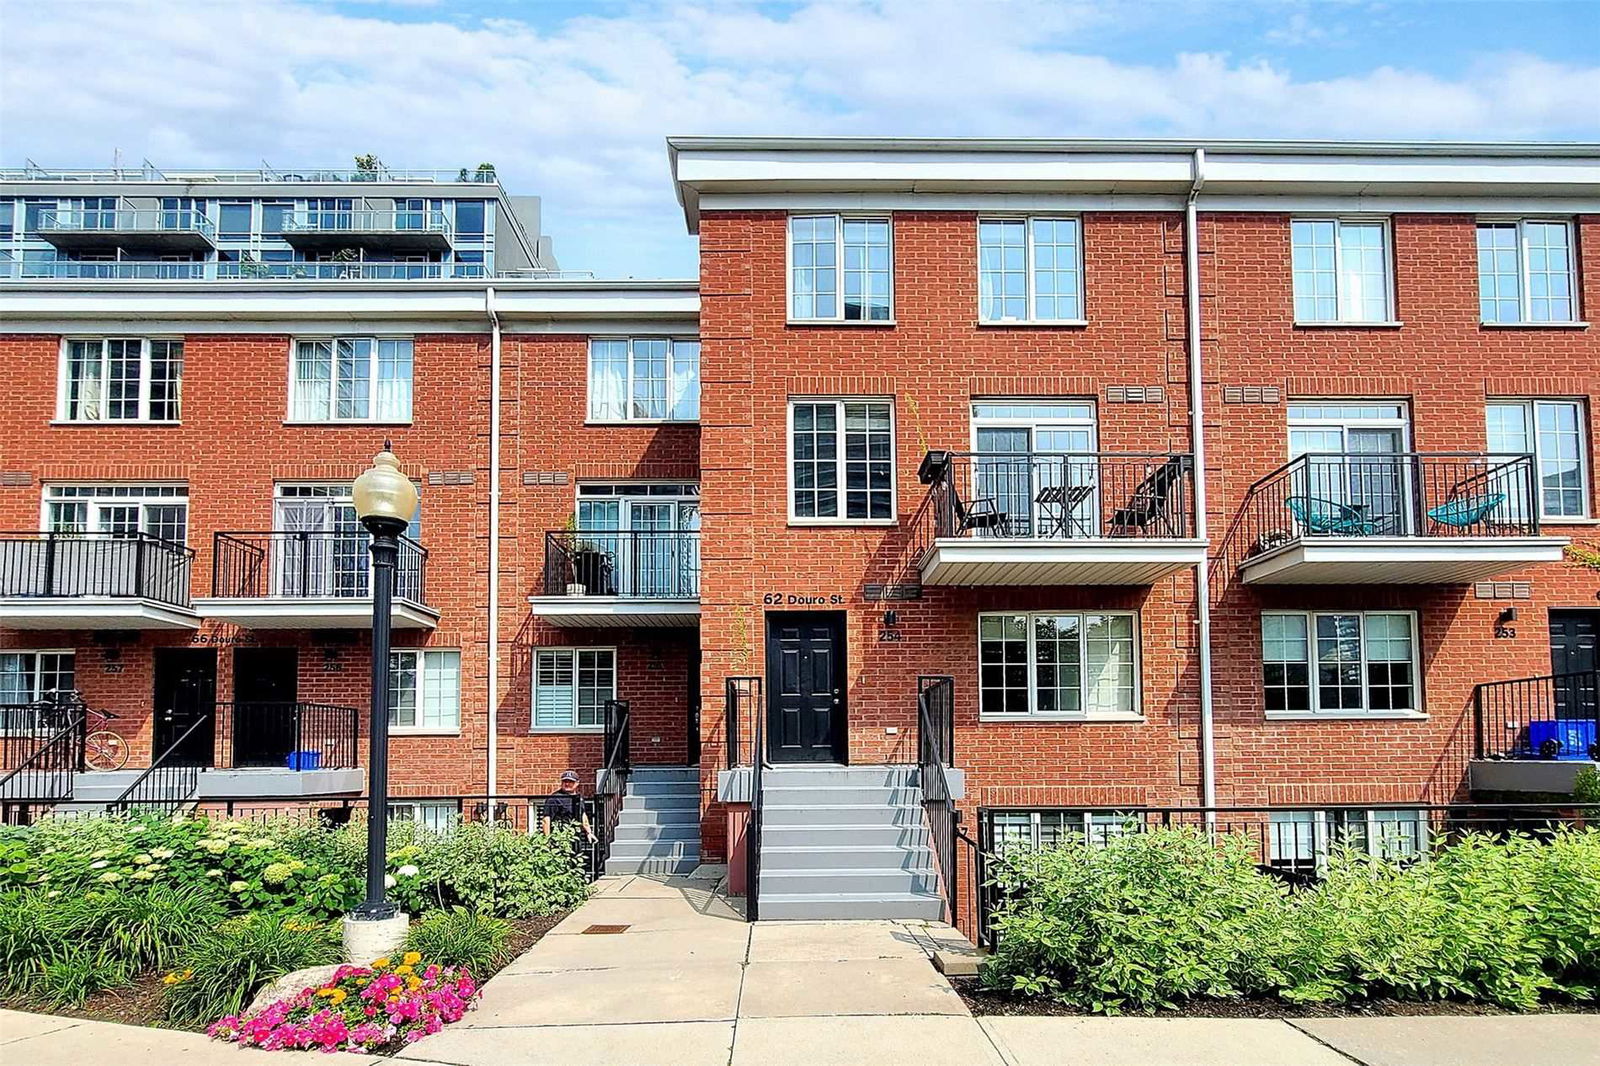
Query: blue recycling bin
x,y
305,760
1575,735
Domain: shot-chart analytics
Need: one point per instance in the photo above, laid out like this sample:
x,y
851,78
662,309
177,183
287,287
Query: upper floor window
x,y
1341,271
841,460
571,687
1058,665
1339,663
469,219
1030,270
157,510
840,269
425,690
350,379
644,379
121,379
1525,271
1552,432
235,221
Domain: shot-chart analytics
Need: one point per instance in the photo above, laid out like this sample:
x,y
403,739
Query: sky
x,y
573,102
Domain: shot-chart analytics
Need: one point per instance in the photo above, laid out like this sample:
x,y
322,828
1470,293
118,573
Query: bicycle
x,y
104,750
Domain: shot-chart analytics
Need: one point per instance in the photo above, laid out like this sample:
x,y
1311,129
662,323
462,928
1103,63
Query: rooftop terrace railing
x,y
149,172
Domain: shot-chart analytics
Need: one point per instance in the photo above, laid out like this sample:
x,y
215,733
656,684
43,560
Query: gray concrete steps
x,y
824,814
843,856
658,830
840,906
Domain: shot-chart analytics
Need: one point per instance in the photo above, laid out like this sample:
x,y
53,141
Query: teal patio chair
x,y
1464,511
1329,517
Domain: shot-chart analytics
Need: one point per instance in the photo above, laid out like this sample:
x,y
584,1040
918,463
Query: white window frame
x,y
96,502
628,417
1386,227
573,650
1095,829
371,418
1531,405
64,381
839,459
1033,714
12,728
424,672
1322,837
839,218
1029,260
1316,713
1524,296
425,813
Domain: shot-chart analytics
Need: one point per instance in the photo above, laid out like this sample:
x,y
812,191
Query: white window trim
x,y
1135,716
422,730
590,419
533,706
1086,815
1388,321
64,383
1322,839
1028,259
38,694
1318,715
1092,423
1525,319
841,217
1531,404
372,393
894,461
46,499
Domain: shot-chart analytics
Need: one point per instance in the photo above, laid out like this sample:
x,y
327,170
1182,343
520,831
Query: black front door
x,y
806,687
185,693
1573,652
265,683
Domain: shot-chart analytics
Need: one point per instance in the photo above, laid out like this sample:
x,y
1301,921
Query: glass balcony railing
x,y
126,221
365,221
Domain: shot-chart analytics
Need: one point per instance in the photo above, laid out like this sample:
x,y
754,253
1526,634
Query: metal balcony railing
x,y
633,564
108,269
351,270
367,221
296,735
309,565
68,565
126,220
1555,716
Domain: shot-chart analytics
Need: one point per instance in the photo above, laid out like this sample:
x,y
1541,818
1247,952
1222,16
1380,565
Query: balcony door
x,y
1036,462
642,533
1355,458
320,548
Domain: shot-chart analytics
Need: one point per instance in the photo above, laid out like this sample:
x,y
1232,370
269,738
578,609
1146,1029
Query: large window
x,y
1526,272
1339,663
1036,461
840,269
571,687
841,460
323,550
350,379
1030,270
1552,432
1052,828
26,676
121,379
1056,665
1341,271
1301,840
425,690
644,379
158,510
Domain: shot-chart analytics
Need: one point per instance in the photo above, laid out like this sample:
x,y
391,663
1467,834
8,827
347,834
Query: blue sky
x,y
572,101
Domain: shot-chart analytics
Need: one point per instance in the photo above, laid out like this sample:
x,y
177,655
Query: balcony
x,y
310,580
1035,518
387,231
347,270
1534,734
108,269
647,578
1391,518
154,231
94,581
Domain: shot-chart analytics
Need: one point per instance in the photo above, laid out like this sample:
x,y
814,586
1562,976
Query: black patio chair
x,y
1153,497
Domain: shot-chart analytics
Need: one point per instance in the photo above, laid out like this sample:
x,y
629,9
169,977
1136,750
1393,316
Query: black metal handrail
x,y
41,748
741,697
935,745
67,564
752,838
1556,716
170,776
632,564
295,734
617,760
318,564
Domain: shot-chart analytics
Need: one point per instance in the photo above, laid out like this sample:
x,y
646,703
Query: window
x,y
1052,828
275,216
827,249
157,510
571,687
1058,665
1341,664
1526,271
1341,271
1030,270
648,534
8,215
425,690
1028,446
841,460
121,379
1356,457
1301,840
25,678
433,815
644,379
351,379
331,554
234,221
1552,432
469,219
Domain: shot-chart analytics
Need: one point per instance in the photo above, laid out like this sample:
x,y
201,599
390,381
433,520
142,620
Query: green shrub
x,y
458,937
221,973
494,870
1586,786
67,979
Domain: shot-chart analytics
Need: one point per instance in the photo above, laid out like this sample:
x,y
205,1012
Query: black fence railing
x,y
935,751
41,748
66,565
633,564
745,716
1556,716
293,735
173,775
617,756
1055,496
741,708
310,565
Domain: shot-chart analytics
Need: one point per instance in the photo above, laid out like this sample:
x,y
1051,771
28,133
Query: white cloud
x,y
577,112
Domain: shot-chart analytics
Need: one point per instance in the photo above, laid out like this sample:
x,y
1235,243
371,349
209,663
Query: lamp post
x,y
385,501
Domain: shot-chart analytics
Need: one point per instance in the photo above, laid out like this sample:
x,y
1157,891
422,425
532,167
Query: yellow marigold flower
x,y
381,964
412,958
338,996
402,970
413,983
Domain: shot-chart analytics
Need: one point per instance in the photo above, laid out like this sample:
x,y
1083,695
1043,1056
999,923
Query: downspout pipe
x,y
492,774
1197,431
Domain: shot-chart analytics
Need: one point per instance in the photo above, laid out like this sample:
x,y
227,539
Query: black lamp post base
x,y
374,912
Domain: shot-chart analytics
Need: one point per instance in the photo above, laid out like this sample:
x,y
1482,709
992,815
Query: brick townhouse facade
x,y
926,414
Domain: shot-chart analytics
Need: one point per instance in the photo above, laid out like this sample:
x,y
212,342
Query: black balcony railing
x,y
309,565
633,564
121,565
41,748
1059,496
1552,717
297,735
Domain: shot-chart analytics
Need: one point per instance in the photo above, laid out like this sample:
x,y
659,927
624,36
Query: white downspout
x,y
493,774
1202,575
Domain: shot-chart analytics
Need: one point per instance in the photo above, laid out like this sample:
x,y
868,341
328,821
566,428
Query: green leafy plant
x,y
459,937
70,978
1586,786
220,974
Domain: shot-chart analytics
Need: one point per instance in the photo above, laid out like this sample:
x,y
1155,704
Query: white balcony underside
x,y
94,612
603,612
1084,561
312,613
1399,560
